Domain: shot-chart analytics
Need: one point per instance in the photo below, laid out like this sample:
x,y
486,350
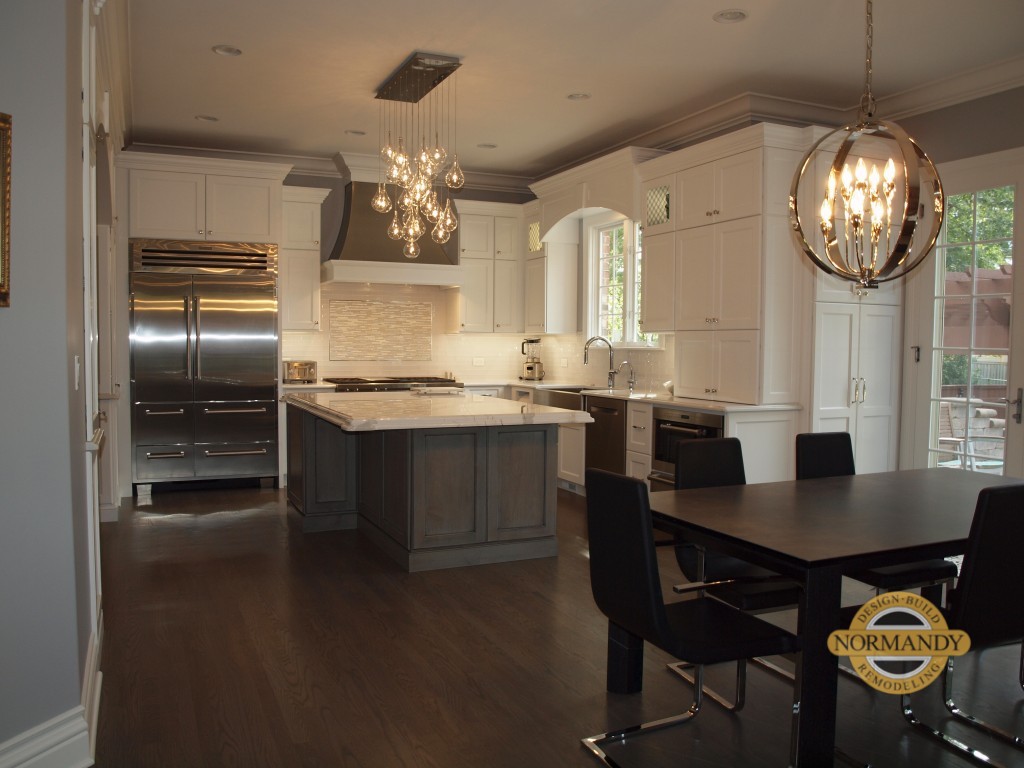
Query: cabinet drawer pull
x,y
638,426
234,410
260,452
179,412
166,455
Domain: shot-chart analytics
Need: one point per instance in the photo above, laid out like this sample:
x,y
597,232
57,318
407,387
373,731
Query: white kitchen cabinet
x,y
830,288
857,365
193,206
299,258
657,300
490,298
638,465
476,236
571,453
550,305
639,420
639,433
718,365
300,217
718,276
476,296
725,189
299,290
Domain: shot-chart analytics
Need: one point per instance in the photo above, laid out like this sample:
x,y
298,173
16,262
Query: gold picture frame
x,y
5,210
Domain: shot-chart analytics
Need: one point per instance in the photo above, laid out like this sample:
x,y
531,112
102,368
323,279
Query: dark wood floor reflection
x,y
233,639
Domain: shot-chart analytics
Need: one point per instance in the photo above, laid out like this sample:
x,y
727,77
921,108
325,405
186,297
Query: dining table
x,y
816,531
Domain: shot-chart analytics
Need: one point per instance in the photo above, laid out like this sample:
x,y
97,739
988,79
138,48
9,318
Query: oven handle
x,y
682,430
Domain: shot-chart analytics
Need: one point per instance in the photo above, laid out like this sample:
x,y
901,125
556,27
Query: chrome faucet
x,y
632,375
611,357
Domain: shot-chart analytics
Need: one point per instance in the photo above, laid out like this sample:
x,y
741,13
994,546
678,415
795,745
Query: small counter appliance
x,y
533,368
299,372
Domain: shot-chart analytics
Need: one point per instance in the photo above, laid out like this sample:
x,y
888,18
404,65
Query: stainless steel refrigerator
x,y
203,360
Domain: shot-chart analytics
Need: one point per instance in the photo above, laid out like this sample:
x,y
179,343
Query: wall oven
x,y
672,425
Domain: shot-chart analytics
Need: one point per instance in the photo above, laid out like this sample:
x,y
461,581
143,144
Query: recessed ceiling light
x,y
207,118
352,132
730,16
226,50
578,96
487,146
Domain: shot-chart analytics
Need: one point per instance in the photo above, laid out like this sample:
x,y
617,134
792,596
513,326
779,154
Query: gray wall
x,y
42,586
979,127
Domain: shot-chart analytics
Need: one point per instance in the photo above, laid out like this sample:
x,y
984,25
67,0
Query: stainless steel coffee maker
x,y
533,368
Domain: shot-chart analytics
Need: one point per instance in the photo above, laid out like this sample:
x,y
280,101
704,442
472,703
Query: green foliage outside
x,y
977,227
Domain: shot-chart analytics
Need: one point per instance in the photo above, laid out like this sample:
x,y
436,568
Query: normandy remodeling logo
x,y
898,642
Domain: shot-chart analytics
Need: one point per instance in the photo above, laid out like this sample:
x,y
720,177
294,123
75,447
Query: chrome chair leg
x,y
739,699
595,744
948,741
972,721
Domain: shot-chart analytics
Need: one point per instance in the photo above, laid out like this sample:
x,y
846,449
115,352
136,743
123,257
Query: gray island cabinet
x,y
436,481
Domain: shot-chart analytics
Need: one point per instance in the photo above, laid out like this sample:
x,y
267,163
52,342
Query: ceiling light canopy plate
x,y
871,226
417,76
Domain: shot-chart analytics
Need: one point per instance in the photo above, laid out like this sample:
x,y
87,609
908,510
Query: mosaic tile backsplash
x,y
380,330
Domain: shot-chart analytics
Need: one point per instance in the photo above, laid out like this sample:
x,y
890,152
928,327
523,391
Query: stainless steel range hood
x,y
368,255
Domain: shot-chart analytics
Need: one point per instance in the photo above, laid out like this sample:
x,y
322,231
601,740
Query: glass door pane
x,y
973,297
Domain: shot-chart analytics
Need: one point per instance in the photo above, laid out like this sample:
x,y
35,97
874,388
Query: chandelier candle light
x,y
873,218
419,170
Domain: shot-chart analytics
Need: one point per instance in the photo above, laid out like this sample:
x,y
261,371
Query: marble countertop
x,y
369,411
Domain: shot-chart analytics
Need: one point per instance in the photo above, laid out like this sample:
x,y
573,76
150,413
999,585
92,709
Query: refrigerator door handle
x,y
188,340
199,359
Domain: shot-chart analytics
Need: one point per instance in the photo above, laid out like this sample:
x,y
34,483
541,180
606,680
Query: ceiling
x,y
658,72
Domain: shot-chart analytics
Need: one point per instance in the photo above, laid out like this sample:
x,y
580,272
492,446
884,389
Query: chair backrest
x,y
988,602
824,454
709,463
623,564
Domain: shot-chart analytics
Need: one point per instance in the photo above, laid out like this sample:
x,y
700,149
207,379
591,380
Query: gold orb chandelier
x,y
879,216
420,173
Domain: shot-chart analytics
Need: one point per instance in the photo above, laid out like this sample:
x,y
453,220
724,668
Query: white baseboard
x,y
62,742
92,684
109,513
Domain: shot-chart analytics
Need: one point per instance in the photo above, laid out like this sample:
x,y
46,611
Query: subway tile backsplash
x,y
409,337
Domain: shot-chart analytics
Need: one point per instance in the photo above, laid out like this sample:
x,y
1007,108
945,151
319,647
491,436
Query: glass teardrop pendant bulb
x,y
438,154
455,177
411,249
448,217
431,208
395,228
439,234
381,202
387,152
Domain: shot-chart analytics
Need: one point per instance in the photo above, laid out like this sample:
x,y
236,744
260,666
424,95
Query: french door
x,y
965,356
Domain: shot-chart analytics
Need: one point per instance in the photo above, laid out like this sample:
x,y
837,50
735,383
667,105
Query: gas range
x,y
389,383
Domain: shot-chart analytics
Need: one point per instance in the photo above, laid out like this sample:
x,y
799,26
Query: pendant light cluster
x,y
879,218
415,166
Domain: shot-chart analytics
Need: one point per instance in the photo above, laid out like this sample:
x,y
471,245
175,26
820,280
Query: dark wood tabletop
x,y
853,522
818,530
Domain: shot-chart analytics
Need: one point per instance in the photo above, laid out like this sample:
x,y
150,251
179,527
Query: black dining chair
x,y
711,463
987,603
830,454
626,585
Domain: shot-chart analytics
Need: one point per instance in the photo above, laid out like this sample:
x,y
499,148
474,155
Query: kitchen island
x,y
435,480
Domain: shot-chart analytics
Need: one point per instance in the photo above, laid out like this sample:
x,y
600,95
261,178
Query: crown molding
x,y
967,86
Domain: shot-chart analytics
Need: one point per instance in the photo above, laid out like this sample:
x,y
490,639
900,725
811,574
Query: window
x,y
616,268
972,345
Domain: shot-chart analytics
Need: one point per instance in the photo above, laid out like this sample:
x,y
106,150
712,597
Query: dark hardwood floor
x,y
233,639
